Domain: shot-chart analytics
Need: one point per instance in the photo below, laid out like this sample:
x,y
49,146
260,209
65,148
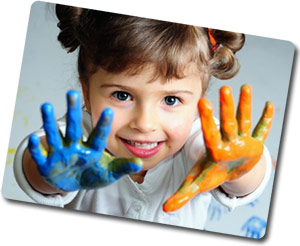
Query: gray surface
x,y
48,72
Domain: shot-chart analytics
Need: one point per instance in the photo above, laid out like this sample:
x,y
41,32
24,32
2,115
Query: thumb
x,y
122,166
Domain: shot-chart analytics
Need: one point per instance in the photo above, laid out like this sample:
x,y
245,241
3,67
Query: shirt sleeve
x,y
50,200
231,202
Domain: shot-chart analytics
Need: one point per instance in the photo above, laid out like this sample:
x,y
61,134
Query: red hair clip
x,y
212,40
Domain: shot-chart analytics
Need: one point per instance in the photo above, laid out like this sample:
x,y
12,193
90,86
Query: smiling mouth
x,y
145,145
142,149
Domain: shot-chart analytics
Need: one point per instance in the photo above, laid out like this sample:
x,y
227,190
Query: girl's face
x,y
152,118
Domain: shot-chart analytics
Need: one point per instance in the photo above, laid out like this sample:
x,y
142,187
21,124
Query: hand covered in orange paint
x,y
231,151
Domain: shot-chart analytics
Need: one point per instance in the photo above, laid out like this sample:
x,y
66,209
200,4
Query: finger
x,y
193,173
212,176
201,179
98,138
186,191
263,127
211,133
74,116
227,114
244,111
101,174
35,148
50,126
180,198
123,166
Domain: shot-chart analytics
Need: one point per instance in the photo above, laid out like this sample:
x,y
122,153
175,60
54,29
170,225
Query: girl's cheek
x,y
118,123
95,118
179,129
114,129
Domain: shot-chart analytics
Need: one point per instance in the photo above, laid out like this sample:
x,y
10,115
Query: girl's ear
x,y
85,91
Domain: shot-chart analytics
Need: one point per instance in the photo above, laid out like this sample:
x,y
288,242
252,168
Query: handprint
x,y
71,164
215,210
254,227
231,151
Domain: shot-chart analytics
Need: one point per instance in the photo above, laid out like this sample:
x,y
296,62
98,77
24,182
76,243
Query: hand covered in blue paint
x,y
70,163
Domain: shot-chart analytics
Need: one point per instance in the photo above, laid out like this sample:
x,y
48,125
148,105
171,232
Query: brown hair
x,y
120,43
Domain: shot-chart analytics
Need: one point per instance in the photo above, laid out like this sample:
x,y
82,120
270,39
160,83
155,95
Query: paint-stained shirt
x,y
126,198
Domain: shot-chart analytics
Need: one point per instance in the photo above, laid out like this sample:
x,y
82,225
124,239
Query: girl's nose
x,y
144,120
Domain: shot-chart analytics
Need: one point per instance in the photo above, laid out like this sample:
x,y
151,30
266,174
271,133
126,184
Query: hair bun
x,y
69,18
224,64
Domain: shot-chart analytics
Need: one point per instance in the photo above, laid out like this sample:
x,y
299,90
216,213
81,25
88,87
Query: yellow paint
x,y
10,151
25,120
232,150
22,89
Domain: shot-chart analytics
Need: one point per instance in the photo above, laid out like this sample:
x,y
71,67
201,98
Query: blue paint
x,y
73,131
254,227
253,204
53,137
72,164
215,210
98,138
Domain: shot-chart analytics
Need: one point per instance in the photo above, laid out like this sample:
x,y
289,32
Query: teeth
x,y
143,145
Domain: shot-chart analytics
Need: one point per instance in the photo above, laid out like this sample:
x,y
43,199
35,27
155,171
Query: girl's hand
x,y
71,164
231,151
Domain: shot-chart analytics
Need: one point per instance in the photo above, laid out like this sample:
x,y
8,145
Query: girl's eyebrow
x,y
174,92
123,87
127,88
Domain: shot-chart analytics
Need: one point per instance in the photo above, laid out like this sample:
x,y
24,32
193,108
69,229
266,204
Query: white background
x,y
28,224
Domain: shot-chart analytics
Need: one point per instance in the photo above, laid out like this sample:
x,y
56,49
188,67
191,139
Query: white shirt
x,y
126,198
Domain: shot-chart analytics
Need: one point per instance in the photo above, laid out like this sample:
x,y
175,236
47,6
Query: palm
x,y
72,164
237,156
233,147
231,151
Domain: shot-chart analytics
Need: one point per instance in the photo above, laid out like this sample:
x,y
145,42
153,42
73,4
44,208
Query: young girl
x,y
140,135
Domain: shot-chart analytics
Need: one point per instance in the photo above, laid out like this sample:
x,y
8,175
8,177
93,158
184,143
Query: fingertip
x,y
47,108
107,116
269,109
134,168
246,89
134,165
35,151
73,99
137,161
204,105
226,97
108,112
226,90
72,93
127,167
174,203
34,141
168,206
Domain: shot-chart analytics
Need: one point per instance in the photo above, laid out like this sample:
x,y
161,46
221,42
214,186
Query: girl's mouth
x,y
142,149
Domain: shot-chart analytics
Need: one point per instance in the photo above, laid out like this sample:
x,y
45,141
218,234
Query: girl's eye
x,y
122,95
171,100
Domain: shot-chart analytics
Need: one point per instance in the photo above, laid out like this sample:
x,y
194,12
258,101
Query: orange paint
x,y
244,111
227,114
231,150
